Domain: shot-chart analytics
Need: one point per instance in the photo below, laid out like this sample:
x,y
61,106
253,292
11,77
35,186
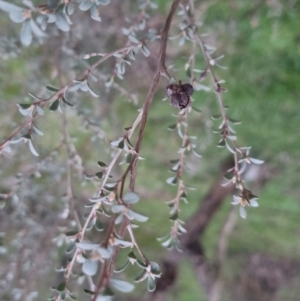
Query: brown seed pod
x,y
180,94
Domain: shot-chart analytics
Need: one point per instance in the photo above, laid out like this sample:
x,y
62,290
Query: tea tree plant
x,y
112,207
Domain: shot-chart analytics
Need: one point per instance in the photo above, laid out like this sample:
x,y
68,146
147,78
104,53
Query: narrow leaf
x,y
32,149
26,34
122,286
54,105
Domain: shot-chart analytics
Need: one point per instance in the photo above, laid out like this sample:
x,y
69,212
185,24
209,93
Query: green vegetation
x,y
261,44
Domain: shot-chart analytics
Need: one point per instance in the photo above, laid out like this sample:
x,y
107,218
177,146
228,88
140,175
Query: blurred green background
x,y
261,44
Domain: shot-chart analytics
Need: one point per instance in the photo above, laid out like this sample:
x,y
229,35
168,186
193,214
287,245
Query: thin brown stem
x,y
148,101
102,281
42,103
69,176
129,229
149,98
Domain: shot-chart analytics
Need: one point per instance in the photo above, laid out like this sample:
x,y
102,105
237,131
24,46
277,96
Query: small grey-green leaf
x,y
93,77
174,216
231,137
39,110
141,275
172,127
121,144
109,82
52,89
8,7
70,8
90,267
67,102
87,246
196,109
95,14
121,67
34,96
117,208
71,233
221,143
128,158
151,285
62,23
234,121
102,2
99,174
145,50
17,17
131,54
131,198
256,161
137,216
196,154
172,180
26,34
91,293
61,287
85,5
92,92
102,164
229,147
215,117
243,212
36,30
122,286
133,39
54,105
37,130
99,226
106,293
24,105
70,248
32,149
123,267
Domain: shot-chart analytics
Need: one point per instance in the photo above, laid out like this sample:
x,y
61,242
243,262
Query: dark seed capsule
x,y
180,94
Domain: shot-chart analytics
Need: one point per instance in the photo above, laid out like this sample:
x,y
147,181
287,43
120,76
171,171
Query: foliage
x,y
68,92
